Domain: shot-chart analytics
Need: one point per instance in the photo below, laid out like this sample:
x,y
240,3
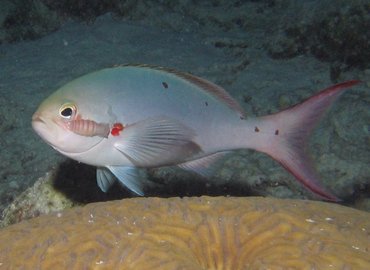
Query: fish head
x,y
52,120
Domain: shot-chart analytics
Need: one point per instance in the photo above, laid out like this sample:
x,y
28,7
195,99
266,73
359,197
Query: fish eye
x,y
67,111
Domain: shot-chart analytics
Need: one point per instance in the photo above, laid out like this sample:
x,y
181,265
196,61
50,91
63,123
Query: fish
x,y
127,118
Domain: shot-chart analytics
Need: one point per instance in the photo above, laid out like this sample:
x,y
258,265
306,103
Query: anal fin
x,y
204,166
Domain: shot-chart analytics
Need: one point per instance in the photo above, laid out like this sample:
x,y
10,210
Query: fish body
x,y
128,117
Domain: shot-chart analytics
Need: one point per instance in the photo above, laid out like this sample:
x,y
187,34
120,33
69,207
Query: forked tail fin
x,y
288,133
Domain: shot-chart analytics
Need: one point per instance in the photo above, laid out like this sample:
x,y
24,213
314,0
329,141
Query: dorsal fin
x,y
203,84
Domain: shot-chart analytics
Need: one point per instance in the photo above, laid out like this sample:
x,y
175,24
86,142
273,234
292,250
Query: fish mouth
x,y
37,119
41,127
47,129
38,124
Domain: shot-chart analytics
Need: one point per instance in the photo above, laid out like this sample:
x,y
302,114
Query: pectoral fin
x,y
157,142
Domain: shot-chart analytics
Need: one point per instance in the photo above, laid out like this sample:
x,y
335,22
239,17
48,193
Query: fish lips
x,y
43,128
49,130
57,135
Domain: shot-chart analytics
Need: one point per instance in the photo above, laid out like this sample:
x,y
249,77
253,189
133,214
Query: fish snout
x,y
38,123
36,117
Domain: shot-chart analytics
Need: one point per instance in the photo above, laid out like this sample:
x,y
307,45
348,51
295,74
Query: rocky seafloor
x,y
268,54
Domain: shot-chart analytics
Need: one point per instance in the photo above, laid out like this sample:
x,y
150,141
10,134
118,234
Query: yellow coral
x,y
192,233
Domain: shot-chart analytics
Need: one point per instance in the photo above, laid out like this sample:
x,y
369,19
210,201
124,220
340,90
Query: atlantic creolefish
x,y
130,117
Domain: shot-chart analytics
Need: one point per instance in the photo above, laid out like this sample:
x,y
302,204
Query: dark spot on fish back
x,y
247,98
165,85
206,103
256,129
277,132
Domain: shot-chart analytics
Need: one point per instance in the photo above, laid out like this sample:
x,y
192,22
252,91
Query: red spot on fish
x,y
116,129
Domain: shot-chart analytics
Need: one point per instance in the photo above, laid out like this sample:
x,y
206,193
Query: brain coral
x,y
192,233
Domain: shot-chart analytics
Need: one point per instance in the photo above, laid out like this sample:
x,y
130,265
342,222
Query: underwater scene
x,y
267,55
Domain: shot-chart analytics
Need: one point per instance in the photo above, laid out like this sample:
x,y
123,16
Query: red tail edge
x,y
295,124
